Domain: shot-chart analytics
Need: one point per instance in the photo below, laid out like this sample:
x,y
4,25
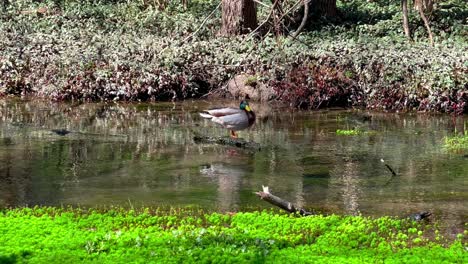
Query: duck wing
x,y
237,121
218,112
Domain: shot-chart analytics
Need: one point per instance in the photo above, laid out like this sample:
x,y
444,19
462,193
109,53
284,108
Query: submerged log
x,y
64,132
61,131
234,142
283,204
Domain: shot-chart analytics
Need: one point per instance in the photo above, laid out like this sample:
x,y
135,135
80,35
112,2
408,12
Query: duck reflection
x,y
229,180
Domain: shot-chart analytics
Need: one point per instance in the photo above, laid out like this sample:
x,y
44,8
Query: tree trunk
x,y
239,17
404,7
420,7
326,8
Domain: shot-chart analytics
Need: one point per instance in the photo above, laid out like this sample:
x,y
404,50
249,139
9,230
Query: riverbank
x,y
116,235
132,51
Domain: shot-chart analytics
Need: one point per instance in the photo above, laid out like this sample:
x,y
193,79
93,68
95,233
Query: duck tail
x,y
208,116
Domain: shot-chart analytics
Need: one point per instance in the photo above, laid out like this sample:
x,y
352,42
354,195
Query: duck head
x,y
244,105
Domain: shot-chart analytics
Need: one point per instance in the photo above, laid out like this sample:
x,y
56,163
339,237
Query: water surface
x,y
144,155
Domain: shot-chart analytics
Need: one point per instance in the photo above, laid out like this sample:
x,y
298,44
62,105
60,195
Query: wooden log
x,y
228,141
283,204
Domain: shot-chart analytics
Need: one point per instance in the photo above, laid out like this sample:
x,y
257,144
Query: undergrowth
x,y
134,51
57,235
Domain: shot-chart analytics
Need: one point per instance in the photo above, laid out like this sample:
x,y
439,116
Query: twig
x,y
196,31
426,23
291,9
130,203
304,20
388,167
261,3
203,23
221,65
263,23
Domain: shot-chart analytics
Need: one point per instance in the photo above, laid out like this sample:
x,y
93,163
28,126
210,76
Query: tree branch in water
x,y
277,201
228,141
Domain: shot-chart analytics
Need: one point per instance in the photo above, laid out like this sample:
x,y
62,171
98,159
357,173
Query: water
x,y
144,155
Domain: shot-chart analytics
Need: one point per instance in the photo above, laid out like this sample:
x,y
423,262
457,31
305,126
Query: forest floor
x,y
135,51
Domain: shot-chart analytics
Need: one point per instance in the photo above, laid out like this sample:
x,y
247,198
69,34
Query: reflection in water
x,y
351,190
144,153
345,176
228,179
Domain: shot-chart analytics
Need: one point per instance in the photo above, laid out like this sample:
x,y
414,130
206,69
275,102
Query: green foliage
x,y
456,142
349,132
251,81
132,50
112,236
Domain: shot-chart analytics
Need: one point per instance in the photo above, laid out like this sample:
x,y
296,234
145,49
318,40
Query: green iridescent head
x,y
244,105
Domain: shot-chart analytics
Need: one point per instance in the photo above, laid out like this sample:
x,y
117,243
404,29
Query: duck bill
x,y
248,108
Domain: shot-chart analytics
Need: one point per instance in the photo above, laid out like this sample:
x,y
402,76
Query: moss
x,y
251,81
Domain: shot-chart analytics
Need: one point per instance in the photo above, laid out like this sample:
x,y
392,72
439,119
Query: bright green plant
x,y
349,132
116,235
457,142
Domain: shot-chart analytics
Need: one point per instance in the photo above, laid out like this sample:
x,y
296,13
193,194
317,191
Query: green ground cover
x,y
55,235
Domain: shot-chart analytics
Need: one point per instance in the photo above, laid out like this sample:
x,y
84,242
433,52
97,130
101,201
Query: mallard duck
x,y
232,118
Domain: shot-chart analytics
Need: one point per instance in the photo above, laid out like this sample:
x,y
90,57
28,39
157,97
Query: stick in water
x,y
388,167
275,200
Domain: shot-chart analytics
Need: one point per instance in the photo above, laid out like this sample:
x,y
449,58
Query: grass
x,y
58,235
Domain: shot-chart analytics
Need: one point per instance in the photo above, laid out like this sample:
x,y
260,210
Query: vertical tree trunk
x,y
404,7
325,8
239,17
419,6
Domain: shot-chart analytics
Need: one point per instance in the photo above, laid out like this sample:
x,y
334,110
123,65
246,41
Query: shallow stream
x,y
144,155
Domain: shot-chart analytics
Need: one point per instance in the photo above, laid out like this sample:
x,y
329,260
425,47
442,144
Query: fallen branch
x,y
234,142
388,167
285,205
